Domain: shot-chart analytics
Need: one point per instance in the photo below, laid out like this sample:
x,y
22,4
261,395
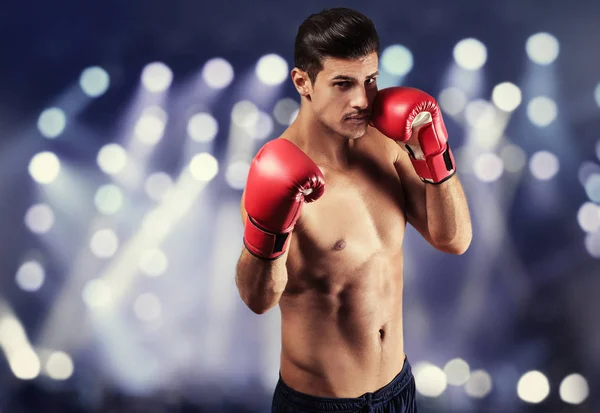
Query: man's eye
x,y
342,84
371,81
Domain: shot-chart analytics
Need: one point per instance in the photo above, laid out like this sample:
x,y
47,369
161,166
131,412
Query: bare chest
x,y
359,217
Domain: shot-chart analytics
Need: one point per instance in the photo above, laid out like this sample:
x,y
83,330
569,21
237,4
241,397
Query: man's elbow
x,y
257,306
457,246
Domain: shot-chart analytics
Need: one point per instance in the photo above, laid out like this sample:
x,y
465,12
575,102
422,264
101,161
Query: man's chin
x,y
359,133
352,133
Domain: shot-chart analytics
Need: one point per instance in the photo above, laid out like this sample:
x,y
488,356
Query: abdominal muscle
x,y
342,336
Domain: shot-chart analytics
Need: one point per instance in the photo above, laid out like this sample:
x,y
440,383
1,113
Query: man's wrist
x,y
264,243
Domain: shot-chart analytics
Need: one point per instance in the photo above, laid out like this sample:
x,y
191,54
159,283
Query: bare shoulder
x,y
290,135
377,143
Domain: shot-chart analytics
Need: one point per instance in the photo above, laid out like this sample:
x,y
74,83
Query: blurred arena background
x,y
126,132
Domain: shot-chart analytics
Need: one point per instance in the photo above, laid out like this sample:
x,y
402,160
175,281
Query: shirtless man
x,y
325,209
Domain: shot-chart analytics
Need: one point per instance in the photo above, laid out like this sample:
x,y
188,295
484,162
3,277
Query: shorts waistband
x,y
384,394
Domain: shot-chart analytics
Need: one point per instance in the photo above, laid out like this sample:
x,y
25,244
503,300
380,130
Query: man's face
x,y
343,94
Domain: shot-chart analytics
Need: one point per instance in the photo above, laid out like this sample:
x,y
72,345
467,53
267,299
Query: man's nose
x,y
360,100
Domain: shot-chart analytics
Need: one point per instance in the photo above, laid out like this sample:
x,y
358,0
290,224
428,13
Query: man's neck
x,y
321,144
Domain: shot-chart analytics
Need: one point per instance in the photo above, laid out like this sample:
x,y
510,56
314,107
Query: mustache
x,y
362,114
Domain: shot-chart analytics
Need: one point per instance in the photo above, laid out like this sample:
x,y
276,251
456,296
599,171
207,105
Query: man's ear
x,y
301,82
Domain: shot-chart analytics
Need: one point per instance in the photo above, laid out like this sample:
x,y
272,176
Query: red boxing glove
x,y
413,117
281,178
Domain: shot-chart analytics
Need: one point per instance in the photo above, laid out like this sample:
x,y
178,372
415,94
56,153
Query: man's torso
x,y
342,307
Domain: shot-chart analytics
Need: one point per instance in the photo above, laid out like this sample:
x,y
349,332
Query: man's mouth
x,y
364,116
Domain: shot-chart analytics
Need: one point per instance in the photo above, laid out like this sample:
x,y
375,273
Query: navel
x,y
339,245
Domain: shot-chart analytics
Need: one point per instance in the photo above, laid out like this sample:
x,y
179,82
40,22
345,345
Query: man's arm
x,y
260,282
280,180
435,202
439,212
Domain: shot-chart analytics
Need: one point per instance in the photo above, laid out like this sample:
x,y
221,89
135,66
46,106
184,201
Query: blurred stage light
x,y
533,387
245,114
147,307
52,122
479,384
204,167
21,358
153,262
112,158
217,73
44,167
592,244
470,54
272,69
452,100
108,199
237,173
59,366
586,170
544,165
457,372
39,218
506,96
158,185
397,60
486,124
202,127
588,217
465,157
597,96
150,126
574,389
480,114
592,187
24,363
542,111
104,243
488,167
263,127
156,221
284,109
11,331
598,149
97,294
542,48
157,77
94,81
430,380
30,276
513,157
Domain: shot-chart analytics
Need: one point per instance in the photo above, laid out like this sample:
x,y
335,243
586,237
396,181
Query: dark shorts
x,y
396,397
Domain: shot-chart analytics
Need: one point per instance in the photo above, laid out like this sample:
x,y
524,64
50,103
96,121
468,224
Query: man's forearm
x,y
448,218
260,282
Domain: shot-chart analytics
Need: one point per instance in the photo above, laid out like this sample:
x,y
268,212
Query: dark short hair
x,y
338,33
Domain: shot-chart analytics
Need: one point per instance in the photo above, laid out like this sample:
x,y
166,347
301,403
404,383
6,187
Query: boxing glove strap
x,y
436,168
262,243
